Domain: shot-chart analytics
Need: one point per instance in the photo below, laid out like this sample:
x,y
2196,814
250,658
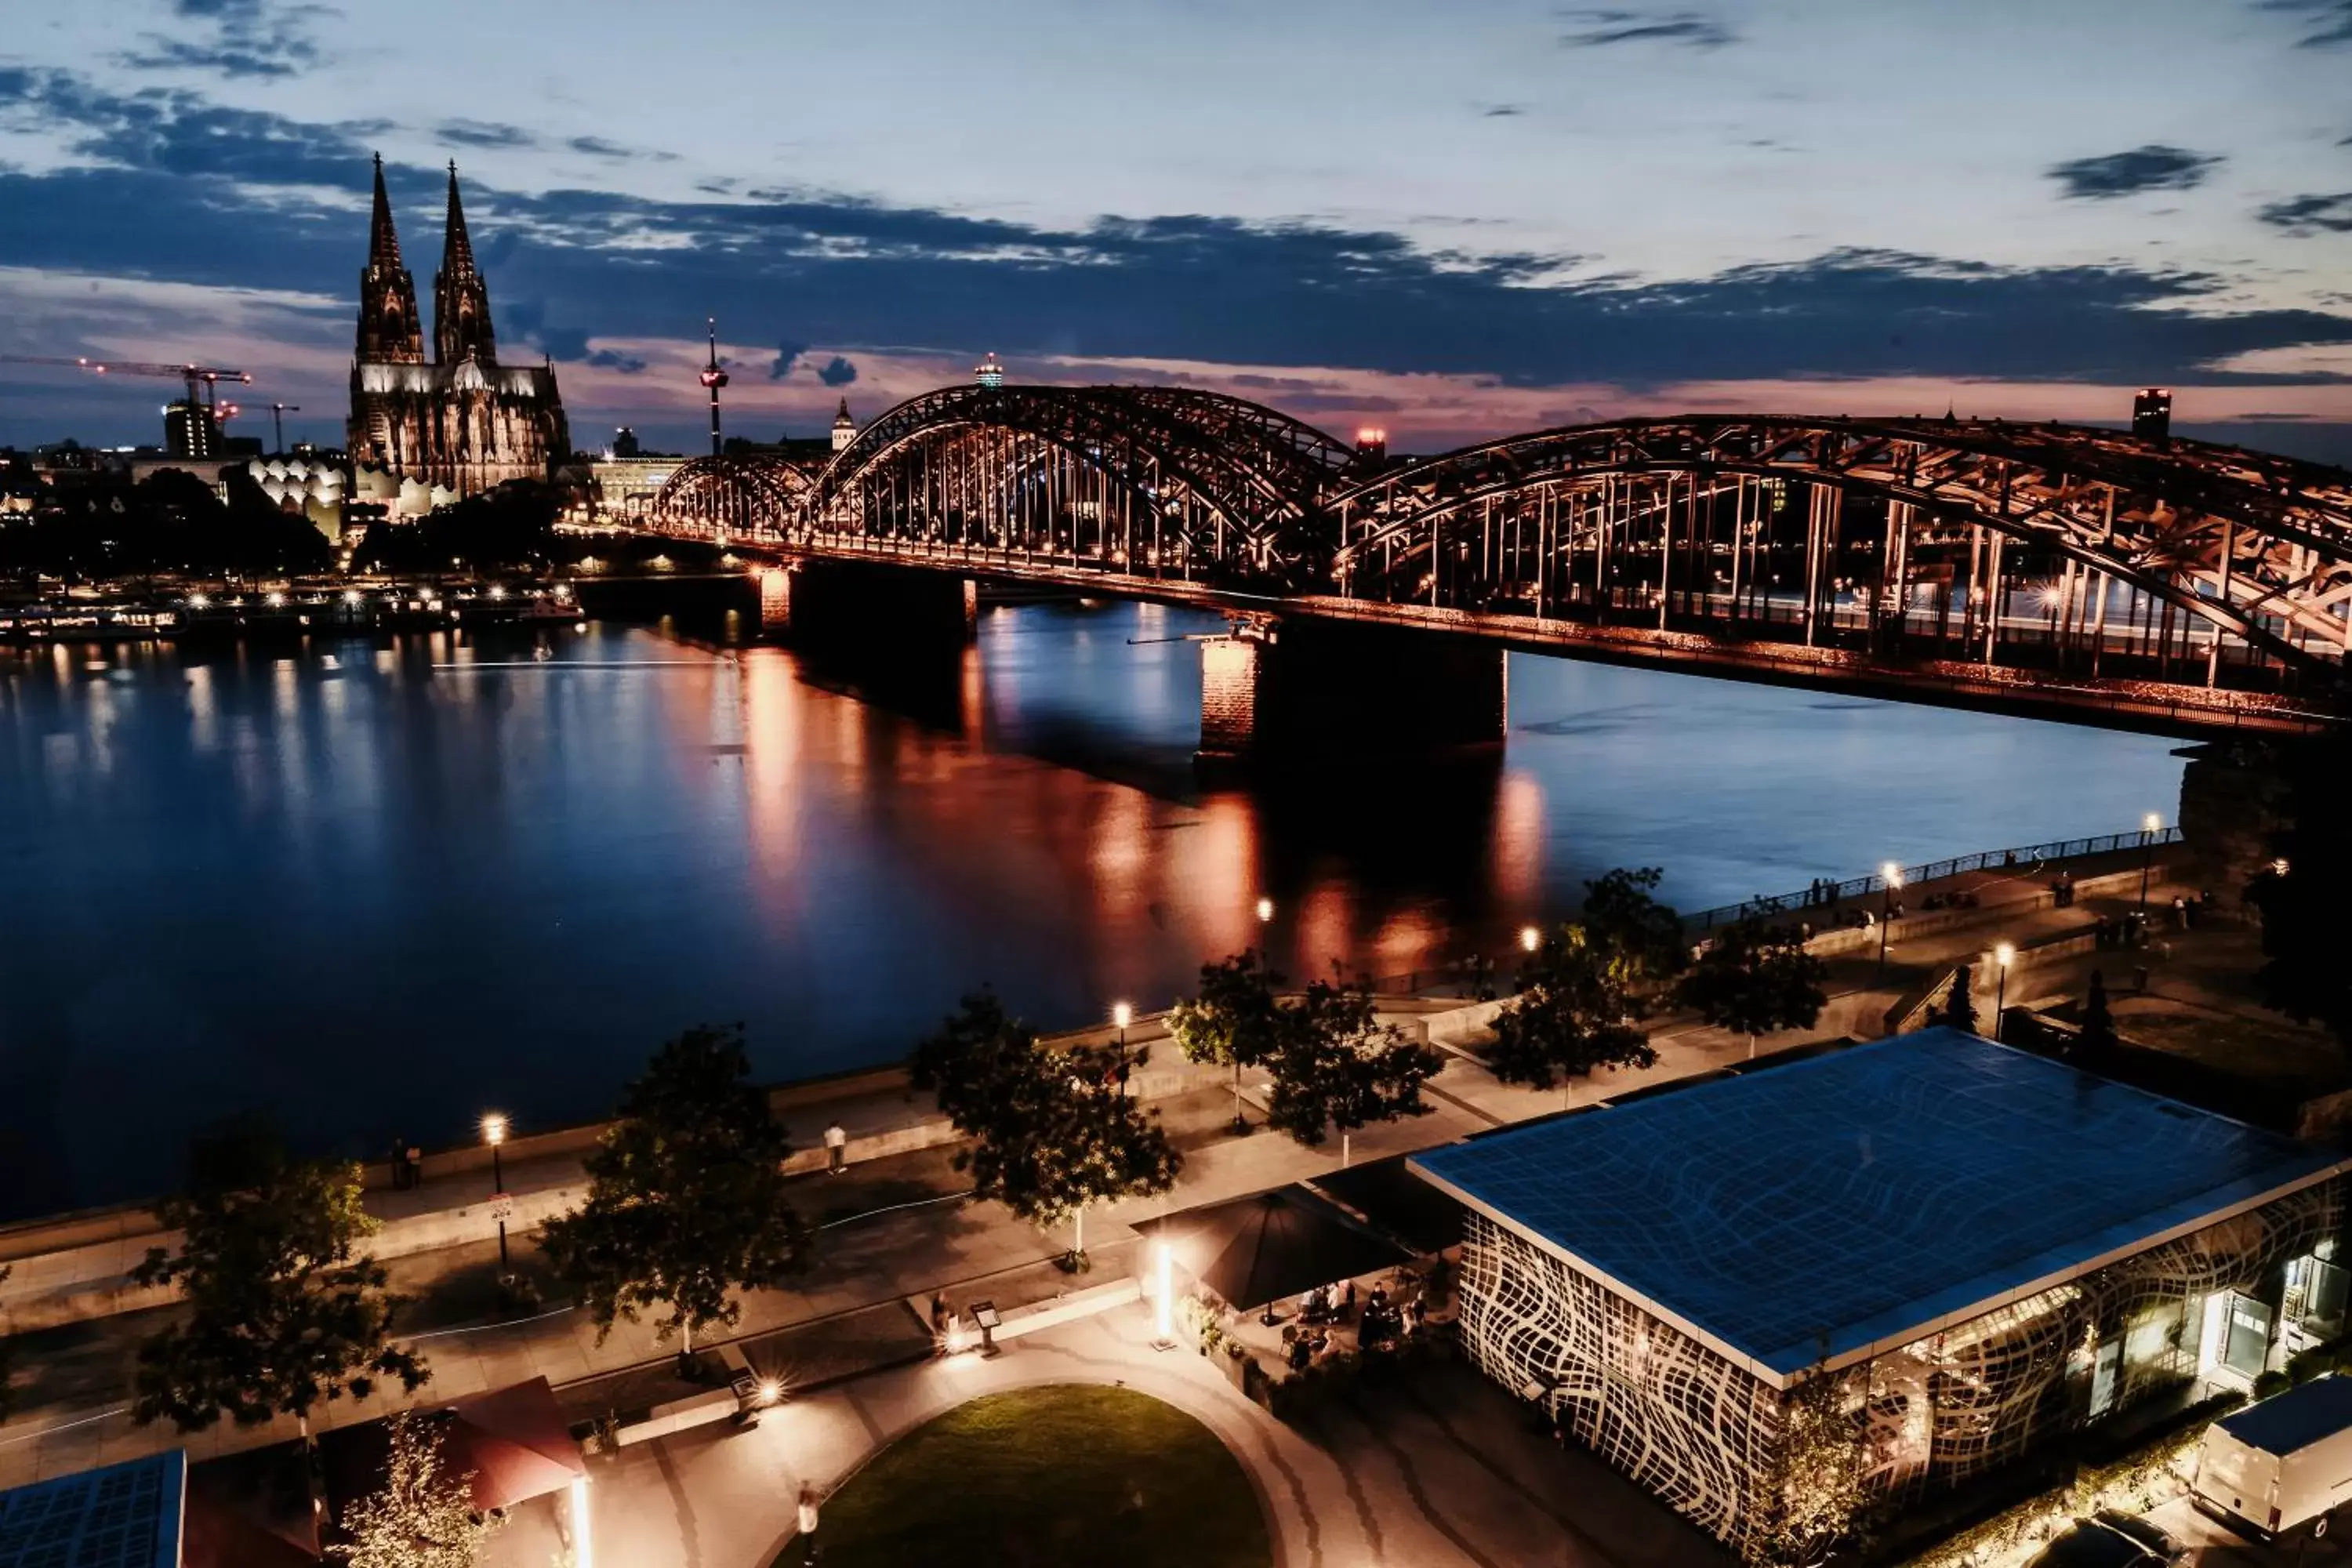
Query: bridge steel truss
x,y
1909,533
732,496
2050,552
1160,482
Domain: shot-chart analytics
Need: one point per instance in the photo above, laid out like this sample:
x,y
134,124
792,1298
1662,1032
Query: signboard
x,y
502,1207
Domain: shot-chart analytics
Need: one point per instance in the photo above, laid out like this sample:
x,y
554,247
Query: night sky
x,y
1453,220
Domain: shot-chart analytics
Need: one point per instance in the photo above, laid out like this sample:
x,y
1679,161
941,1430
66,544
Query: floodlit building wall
x,y
1694,1427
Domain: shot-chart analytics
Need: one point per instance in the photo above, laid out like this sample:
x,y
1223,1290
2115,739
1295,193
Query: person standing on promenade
x,y
836,1149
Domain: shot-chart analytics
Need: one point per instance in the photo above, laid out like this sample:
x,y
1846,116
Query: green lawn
x,y
1066,1474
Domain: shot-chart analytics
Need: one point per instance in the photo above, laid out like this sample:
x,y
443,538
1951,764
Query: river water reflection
x,y
375,888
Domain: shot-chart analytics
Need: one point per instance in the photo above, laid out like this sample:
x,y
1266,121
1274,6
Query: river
x,y
375,888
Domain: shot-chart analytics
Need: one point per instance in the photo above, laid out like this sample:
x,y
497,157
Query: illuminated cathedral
x,y
461,422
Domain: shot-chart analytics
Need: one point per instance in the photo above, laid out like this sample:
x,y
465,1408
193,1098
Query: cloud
x,y
613,359
2152,167
788,353
1600,28
2311,214
1504,111
599,147
180,190
482,133
2330,21
242,38
837,372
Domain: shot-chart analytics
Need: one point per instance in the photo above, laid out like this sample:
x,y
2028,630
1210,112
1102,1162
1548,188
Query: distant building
x,y
989,372
845,428
2152,414
1372,446
190,430
624,443
1967,1250
462,423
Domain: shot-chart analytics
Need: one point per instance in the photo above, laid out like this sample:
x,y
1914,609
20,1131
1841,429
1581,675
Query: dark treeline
x,y
171,522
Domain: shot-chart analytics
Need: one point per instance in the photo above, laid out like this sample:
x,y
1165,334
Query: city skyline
x,y
1495,219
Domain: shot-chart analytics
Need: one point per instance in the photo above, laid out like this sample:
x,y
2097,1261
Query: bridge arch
x,y
1151,479
2257,547
733,496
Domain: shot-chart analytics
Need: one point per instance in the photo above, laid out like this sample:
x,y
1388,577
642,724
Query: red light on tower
x,y
1371,444
713,378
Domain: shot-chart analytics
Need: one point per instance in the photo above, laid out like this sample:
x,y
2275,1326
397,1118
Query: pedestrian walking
x,y
837,1150
415,1164
806,1512
402,1178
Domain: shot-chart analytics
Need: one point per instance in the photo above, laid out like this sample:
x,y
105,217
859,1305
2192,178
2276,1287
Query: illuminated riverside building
x,y
1983,1247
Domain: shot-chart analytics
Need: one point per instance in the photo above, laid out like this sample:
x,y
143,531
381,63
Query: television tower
x,y
714,378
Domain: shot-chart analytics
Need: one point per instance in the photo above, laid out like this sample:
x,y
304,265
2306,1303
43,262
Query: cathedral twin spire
x,y
389,330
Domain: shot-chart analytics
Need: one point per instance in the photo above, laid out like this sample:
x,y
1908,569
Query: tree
x,y
1641,937
1959,1012
2303,974
423,1516
1335,1064
2098,1031
1051,1132
1808,1495
280,1312
1572,1017
1754,980
1236,1021
1583,992
685,1198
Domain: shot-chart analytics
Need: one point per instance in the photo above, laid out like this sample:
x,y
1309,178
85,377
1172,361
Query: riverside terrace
x,y
1983,1245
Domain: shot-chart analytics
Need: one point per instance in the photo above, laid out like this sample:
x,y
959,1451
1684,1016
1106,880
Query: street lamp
x,y
1264,910
1531,938
494,1133
1890,876
2002,955
2147,830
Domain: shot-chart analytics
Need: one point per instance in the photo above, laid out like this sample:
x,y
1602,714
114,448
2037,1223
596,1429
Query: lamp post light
x,y
1890,876
1265,911
2148,825
2003,956
1531,938
494,1133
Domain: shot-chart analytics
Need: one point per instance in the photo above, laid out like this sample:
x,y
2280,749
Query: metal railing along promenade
x,y
2019,857
1483,976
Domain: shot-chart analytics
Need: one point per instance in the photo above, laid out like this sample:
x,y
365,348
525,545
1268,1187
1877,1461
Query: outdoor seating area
x,y
1292,1296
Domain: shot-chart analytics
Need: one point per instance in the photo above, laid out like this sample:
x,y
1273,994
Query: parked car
x,y
2110,1539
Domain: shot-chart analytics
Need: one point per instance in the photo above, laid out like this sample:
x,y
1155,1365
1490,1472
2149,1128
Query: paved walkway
x,y
1436,1469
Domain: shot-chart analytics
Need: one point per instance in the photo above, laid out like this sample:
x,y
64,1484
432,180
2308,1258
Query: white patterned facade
x,y
1696,1427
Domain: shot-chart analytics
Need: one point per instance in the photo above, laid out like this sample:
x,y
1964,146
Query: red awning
x,y
514,1440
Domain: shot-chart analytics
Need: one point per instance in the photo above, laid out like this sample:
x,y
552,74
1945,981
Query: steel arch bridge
x,y
2062,566
728,496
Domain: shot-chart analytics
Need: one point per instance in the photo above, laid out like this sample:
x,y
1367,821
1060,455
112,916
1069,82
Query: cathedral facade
x,y
460,423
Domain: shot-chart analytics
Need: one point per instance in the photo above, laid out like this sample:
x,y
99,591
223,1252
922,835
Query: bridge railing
x,y
2019,857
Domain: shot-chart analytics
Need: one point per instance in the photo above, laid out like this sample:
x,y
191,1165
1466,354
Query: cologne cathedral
x,y
462,423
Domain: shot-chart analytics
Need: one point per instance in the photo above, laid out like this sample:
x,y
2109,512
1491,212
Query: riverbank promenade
x,y
896,1226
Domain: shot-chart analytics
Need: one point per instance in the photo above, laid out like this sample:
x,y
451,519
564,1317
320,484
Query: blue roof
x,y
1809,1211
119,1516
2295,1419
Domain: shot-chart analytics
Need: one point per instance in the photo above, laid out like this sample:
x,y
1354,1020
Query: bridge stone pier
x,y
850,601
1298,689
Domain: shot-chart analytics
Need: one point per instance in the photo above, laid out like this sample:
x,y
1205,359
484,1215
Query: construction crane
x,y
277,413
208,377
